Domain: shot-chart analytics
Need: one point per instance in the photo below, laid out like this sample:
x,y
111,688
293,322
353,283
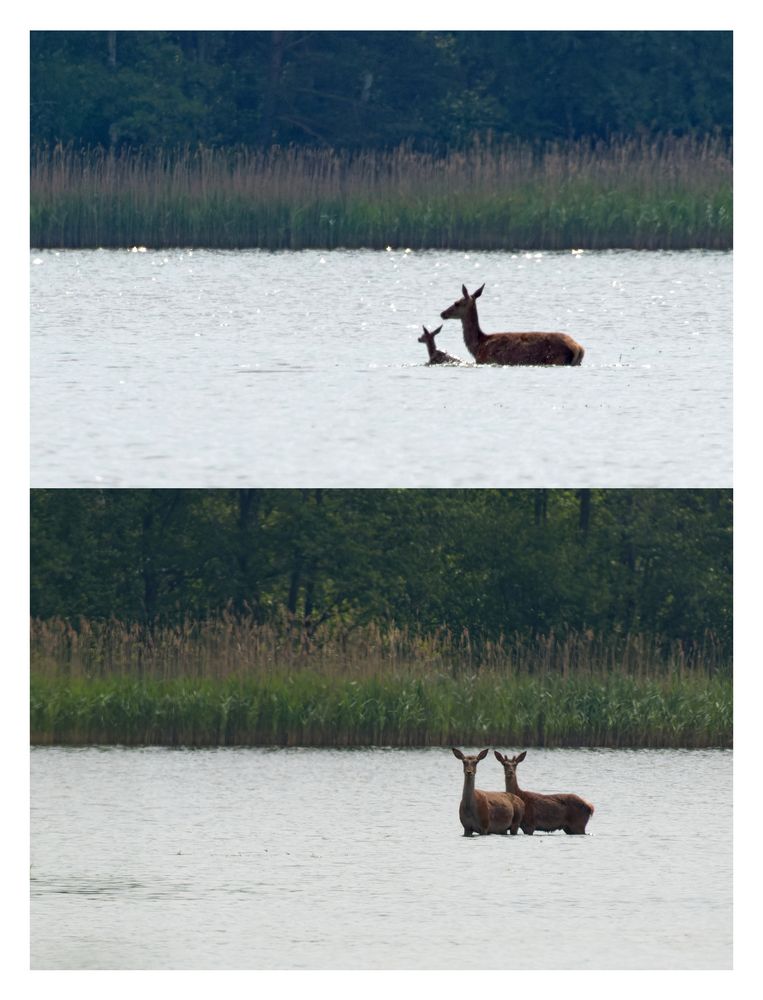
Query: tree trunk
x,y
584,522
541,507
247,588
111,41
272,87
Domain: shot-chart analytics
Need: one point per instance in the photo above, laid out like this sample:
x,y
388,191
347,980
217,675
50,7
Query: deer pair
x,y
501,348
505,812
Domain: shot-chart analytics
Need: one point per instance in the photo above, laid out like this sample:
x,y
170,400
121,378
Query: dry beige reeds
x,y
228,646
633,192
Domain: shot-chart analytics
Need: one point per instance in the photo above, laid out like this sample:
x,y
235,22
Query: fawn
x,y
436,356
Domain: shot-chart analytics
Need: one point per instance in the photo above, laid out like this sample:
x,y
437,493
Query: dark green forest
x,y
374,89
495,562
428,139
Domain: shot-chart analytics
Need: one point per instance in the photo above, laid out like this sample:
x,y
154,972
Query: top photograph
x,y
381,259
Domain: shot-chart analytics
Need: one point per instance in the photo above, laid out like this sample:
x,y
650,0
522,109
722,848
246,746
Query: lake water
x,y
320,859
209,368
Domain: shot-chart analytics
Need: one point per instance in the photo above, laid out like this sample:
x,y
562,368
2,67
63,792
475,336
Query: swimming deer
x,y
510,348
436,356
486,812
563,811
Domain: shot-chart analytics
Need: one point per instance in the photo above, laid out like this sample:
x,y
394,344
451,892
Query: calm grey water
x,y
205,368
320,859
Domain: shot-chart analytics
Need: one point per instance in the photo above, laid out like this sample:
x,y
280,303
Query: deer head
x,y
428,336
470,762
460,306
510,764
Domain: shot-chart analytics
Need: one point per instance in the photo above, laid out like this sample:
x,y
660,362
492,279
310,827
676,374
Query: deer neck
x,y
431,348
470,325
512,785
468,794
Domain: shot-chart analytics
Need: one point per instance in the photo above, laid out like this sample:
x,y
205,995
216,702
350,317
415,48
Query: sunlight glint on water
x,y
196,368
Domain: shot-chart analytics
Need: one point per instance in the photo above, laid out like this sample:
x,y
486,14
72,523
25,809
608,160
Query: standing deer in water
x,y
510,348
486,812
436,356
562,811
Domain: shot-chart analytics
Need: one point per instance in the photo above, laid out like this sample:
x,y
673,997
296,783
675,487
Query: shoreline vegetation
x,y
670,193
231,682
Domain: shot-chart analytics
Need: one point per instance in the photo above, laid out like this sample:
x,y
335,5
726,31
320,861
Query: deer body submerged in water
x,y
562,811
486,812
510,348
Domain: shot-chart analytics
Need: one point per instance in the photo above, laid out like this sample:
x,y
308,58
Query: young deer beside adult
x,y
563,811
510,348
436,356
486,812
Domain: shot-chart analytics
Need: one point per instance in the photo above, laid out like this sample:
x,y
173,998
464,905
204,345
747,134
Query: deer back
x,y
441,358
496,809
529,349
561,811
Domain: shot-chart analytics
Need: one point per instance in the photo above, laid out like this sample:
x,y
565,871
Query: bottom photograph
x,y
393,729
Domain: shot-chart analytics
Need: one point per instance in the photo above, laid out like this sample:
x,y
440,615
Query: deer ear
x,y
457,753
437,330
520,757
498,756
464,291
482,754
479,291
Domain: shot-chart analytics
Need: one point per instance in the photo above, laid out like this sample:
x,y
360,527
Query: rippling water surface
x,y
320,859
206,368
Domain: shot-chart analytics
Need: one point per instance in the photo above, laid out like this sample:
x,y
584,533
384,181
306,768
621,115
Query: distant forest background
x,y
493,561
350,90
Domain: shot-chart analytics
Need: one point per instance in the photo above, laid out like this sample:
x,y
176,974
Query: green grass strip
x,y
305,709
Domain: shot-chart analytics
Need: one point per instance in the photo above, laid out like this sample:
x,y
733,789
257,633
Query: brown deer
x,y
436,356
510,348
486,812
563,811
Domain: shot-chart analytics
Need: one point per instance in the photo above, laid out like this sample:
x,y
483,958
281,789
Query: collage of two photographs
x,y
381,508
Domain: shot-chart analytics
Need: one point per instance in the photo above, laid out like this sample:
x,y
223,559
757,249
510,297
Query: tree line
x,y
374,89
493,561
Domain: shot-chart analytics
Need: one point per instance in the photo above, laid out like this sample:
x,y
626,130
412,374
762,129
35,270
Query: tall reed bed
x,y
231,647
228,682
670,193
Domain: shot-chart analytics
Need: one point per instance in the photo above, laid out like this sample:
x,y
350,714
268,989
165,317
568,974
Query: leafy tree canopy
x,y
493,561
374,89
